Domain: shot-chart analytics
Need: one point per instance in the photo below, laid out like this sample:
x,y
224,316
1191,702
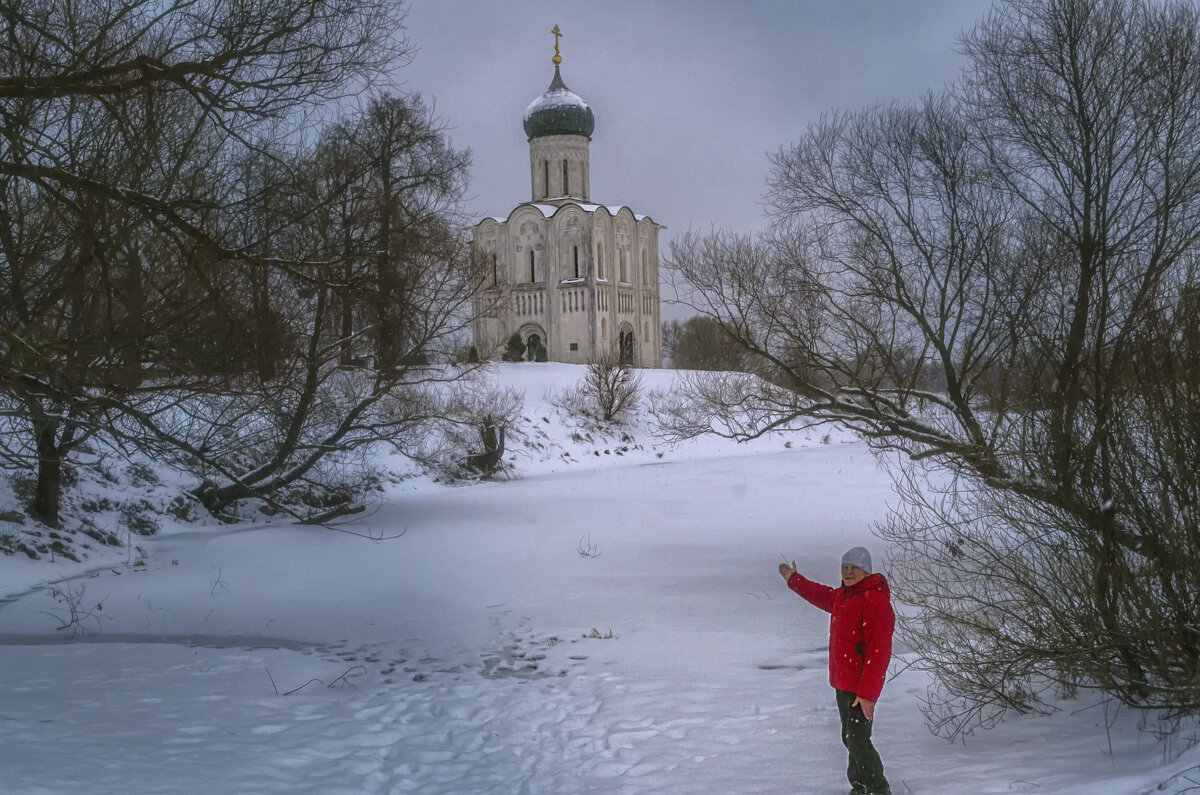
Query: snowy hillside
x,y
605,618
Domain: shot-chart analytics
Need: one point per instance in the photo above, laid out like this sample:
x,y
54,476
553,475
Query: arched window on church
x,y
566,184
532,267
599,260
603,329
624,266
645,270
545,179
576,250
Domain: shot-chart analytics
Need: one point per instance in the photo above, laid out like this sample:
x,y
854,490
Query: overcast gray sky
x,y
689,95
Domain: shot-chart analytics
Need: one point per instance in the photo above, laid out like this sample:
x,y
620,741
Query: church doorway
x,y
625,346
535,348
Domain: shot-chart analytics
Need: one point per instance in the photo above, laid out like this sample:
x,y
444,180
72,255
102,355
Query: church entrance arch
x,y
535,339
626,346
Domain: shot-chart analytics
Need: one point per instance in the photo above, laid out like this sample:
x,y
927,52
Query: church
x,y
577,280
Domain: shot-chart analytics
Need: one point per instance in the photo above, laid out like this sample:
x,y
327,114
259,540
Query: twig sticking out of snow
x,y
341,680
587,549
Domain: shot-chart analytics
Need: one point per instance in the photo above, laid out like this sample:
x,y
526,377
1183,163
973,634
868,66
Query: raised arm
x,y
818,595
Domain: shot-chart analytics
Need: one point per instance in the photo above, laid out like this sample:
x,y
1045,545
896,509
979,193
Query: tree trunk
x,y
386,284
48,493
347,305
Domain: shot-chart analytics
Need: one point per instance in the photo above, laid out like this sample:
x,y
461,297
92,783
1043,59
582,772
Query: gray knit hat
x,y
858,556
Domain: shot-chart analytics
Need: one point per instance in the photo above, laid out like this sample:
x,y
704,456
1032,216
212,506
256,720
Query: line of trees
x,y
999,283
192,266
701,343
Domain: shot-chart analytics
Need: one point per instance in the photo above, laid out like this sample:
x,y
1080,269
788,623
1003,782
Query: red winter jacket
x,y
862,617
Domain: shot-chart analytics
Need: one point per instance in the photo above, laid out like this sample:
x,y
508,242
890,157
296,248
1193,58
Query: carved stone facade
x,y
577,278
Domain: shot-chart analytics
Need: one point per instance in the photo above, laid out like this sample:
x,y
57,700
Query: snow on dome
x,y
559,111
554,98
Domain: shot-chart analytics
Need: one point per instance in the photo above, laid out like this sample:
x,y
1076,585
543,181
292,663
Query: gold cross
x,y
557,58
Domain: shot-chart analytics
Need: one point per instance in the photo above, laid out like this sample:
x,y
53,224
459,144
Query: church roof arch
x,y
551,210
485,227
569,220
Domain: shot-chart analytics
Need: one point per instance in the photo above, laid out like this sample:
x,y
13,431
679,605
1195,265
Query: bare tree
x,y
275,436
414,180
612,387
90,289
236,63
978,282
169,269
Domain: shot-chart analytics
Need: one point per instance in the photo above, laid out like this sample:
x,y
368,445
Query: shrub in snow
x,y
473,420
610,391
138,517
514,351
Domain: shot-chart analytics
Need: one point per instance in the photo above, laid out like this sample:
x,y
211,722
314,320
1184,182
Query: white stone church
x,y
574,278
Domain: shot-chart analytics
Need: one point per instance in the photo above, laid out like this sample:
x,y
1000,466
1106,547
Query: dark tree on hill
x,y
182,272
999,283
91,286
703,344
311,412
413,181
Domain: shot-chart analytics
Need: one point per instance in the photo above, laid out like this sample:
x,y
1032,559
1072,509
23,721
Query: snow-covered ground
x,y
609,620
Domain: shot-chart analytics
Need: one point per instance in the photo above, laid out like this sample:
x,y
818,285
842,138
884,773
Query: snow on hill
x,y
606,619
552,439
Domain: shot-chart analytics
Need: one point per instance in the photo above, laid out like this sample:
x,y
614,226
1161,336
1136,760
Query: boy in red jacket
x,y
860,647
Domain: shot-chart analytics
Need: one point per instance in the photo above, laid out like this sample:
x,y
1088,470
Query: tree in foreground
x,y
999,284
388,286
187,272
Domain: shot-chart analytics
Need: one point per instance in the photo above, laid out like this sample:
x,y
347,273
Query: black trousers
x,y
866,769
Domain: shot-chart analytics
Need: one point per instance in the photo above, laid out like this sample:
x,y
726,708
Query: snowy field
x,y
608,620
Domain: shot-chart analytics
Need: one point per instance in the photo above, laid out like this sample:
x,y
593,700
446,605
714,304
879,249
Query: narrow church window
x,y
603,329
599,260
545,179
576,250
624,273
566,186
645,270
532,269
